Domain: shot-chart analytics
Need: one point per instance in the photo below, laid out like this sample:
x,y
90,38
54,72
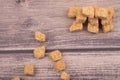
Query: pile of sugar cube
x,y
94,15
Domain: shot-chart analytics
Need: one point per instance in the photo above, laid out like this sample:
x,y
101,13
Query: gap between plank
x,y
30,50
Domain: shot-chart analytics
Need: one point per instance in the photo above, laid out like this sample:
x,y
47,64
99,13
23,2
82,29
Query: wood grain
x,y
88,56
19,21
84,65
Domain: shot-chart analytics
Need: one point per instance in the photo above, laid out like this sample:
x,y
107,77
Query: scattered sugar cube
x,y
72,12
88,11
76,26
16,78
92,28
80,17
59,65
40,36
39,52
65,76
55,55
29,69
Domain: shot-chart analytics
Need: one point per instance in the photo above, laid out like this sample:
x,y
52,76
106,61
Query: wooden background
x,y
88,56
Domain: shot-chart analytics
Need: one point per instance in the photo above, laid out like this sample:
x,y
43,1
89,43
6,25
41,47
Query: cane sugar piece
x,y
59,65
101,12
92,28
88,11
65,76
106,21
40,36
111,12
80,17
29,69
55,55
107,28
76,26
93,21
72,12
39,52
16,78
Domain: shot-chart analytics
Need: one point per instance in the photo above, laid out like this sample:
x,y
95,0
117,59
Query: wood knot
x,y
20,1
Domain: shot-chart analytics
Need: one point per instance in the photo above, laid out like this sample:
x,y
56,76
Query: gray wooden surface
x,y
88,56
83,65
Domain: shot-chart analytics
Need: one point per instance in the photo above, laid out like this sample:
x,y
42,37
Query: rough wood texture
x,y
84,65
19,21
88,56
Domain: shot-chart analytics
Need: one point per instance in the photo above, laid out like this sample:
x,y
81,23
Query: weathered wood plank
x,y
84,65
19,22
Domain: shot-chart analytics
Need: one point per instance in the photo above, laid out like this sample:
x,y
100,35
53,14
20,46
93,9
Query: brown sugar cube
x,y
65,76
88,11
29,69
106,21
101,12
92,28
111,12
107,28
59,65
80,17
72,12
40,36
76,26
55,55
39,52
16,78
93,21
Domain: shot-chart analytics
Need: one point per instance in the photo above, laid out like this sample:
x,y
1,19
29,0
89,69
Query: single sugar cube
x,y
93,21
72,12
92,28
107,28
55,55
59,65
111,12
29,69
88,11
80,17
39,52
40,36
65,76
76,26
106,21
101,12
16,78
